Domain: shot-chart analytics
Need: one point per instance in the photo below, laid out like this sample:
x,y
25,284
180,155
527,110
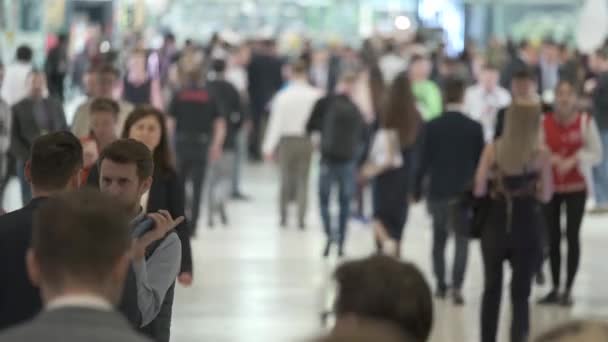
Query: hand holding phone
x,y
161,224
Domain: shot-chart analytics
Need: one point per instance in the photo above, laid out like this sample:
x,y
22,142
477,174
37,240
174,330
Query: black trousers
x,y
193,171
574,204
515,239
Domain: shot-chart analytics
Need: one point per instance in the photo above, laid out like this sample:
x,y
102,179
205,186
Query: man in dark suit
x,y
265,79
79,256
54,167
56,67
33,116
450,152
526,58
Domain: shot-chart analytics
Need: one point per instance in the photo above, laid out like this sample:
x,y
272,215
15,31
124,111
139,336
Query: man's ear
x,y
148,184
28,171
33,268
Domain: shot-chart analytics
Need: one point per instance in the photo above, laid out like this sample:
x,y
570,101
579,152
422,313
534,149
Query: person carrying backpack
x,y
340,124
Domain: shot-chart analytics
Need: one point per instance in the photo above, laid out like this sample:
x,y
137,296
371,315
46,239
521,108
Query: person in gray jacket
x,y
81,284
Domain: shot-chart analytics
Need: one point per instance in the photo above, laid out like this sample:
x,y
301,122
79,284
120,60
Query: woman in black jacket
x,y
147,125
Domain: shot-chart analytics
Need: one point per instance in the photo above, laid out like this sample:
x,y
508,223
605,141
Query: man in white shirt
x,y
289,113
81,284
484,99
15,86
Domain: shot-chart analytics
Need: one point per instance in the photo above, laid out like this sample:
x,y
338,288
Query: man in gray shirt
x,y
126,170
79,271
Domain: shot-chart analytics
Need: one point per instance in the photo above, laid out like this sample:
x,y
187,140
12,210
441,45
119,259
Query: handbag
x,y
384,154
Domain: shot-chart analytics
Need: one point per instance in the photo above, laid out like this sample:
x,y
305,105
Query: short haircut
x,y
491,66
54,159
417,58
367,331
107,69
385,289
24,53
453,90
523,74
218,65
79,236
105,105
579,331
129,151
299,66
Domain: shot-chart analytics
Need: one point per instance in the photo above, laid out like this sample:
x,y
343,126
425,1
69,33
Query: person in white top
x,y
289,113
484,99
15,86
392,63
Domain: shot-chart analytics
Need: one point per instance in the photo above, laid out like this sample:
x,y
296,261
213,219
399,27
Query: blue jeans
x,y
341,174
600,174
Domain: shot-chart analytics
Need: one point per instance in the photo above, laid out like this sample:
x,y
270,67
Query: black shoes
x,y
566,300
237,196
551,299
442,292
327,248
458,298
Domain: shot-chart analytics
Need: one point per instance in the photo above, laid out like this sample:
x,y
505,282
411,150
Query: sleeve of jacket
x,y
421,166
177,209
63,124
18,147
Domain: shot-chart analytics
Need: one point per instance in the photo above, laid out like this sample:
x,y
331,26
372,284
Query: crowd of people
x,y
496,143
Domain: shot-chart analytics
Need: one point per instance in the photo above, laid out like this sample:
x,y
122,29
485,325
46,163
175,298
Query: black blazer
x,y
19,299
167,193
25,129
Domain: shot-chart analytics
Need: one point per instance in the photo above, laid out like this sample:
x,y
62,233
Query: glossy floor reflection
x,y
255,282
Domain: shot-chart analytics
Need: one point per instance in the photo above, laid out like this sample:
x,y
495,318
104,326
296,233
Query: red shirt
x,y
566,140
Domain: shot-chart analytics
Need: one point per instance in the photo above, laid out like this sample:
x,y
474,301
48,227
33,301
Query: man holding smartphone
x,y
126,173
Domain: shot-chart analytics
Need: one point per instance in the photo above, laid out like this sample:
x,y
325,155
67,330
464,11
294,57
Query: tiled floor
x,y
255,282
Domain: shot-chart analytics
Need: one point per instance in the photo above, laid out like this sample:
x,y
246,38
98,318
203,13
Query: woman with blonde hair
x,y
515,174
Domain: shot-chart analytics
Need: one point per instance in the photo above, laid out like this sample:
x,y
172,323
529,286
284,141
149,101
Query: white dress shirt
x,y
15,86
483,106
290,111
90,301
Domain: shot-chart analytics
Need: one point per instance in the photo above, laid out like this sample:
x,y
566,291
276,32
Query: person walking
x,y
393,186
599,98
449,155
56,67
289,114
341,126
426,92
33,116
515,174
200,133
574,142
15,86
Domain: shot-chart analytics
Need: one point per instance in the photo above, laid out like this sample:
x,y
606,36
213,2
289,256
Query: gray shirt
x,y
156,274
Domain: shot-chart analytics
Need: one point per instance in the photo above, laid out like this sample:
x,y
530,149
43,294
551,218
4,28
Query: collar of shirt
x,y
90,301
454,107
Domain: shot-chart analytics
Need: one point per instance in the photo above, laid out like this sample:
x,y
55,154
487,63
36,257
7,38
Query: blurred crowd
x,y
499,141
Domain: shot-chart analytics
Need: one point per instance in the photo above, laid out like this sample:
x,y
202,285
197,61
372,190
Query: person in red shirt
x,y
104,118
573,139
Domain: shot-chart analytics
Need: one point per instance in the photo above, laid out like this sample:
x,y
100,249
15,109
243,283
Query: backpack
x,y
342,130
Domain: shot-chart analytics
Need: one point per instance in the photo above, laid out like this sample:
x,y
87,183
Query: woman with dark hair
x,y
148,125
392,186
515,174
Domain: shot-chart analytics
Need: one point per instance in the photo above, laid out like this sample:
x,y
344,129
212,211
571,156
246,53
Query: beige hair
x,y
520,140
577,331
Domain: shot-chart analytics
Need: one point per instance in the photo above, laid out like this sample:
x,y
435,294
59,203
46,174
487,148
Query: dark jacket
x,y
19,299
231,108
518,64
25,128
449,154
600,102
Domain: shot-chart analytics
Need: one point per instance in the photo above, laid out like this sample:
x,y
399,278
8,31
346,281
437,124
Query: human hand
x,y
566,165
215,153
163,224
185,279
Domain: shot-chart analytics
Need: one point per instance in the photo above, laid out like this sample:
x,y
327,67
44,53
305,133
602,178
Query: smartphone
x,y
143,227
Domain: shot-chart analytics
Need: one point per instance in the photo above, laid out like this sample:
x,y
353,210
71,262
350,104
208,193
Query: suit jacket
x,y
25,128
74,324
518,64
19,299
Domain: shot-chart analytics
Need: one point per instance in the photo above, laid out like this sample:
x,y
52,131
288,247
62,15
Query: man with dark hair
x,y
286,139
200,132
384,289
523,88
451,149
33,116
54,167
526,58
126,171
79,256
105,81
15,85
56,67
